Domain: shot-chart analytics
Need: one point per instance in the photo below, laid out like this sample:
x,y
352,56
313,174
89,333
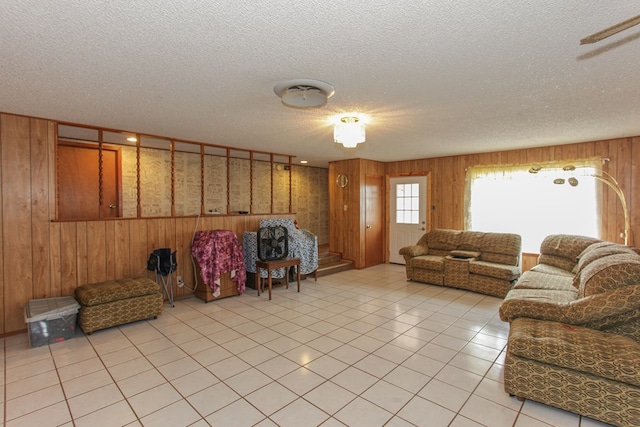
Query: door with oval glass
x,y
79,191
407,213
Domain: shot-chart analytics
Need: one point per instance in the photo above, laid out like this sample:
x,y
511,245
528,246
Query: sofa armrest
x,y
599,311
414,250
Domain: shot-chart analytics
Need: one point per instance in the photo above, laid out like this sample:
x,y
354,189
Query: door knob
x,y
112,206
368,226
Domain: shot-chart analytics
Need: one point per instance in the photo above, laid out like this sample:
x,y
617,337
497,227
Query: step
x,y
328,258
333,267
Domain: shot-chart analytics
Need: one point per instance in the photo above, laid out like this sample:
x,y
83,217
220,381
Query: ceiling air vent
x,y
304,93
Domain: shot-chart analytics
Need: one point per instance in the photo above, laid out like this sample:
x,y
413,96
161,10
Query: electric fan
x,y
273,243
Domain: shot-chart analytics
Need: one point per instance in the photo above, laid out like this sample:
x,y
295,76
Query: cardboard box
x,y
51,320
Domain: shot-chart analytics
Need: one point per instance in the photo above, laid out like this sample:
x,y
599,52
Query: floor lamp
x,y
602,176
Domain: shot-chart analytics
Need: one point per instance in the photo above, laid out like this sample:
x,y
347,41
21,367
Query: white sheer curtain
x,y
511,199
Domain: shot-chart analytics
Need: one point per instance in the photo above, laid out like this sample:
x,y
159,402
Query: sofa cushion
x,y
444,240
609,273
499,271
552,270
414,250
471,241
562,250
597,251
582,349
588,249
539,280
501,248
464,254
428,262
537,304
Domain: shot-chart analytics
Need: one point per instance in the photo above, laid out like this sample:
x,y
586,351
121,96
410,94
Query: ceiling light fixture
x,y
349,132
304,93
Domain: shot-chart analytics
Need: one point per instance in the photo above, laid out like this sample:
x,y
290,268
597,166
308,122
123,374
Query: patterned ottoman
x,y
116,302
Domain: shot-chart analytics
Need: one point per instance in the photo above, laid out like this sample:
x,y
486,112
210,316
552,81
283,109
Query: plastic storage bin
x,y
51,320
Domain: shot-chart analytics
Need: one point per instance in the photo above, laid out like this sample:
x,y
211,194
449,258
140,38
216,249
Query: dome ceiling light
x,y
304,93
349,132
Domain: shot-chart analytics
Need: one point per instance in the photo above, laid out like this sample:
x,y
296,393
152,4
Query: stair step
x,y
333,267
328,258
331,262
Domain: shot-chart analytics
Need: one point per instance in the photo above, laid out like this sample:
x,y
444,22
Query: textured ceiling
x,y
434,78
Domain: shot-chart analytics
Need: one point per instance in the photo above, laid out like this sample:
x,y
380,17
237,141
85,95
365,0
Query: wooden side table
x,y
287,263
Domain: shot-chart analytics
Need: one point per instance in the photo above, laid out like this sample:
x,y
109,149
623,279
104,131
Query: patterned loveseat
x,y
574,339
488,263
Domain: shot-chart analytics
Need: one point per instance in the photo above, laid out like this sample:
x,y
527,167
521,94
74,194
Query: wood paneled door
x,y
88,188
374,241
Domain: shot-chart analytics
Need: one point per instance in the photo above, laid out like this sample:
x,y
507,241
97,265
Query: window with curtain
x,y
510,199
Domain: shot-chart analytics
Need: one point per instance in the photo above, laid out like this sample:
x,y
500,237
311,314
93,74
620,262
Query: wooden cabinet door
x,y
79,182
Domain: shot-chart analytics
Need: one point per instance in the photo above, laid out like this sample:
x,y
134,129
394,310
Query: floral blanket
x,y
218,252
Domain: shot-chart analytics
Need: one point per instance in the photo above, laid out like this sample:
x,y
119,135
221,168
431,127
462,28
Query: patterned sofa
x,y
488,263
574,339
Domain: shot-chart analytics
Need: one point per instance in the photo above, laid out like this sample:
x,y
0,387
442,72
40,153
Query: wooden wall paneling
x,y
608,203
171,241
438,205
153,238
2,298
51,158
139,248
152,241
110,250
68,249
354,209
170,237
55,260
334,202
528,261
16,218
205,223
634,193
534,155
458,183
623,172
122,249
514,157
96,240
184,229
570,152
555,153
585,150
82,263
39,130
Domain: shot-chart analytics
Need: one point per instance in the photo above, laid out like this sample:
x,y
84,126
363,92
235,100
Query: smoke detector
x,y
304,93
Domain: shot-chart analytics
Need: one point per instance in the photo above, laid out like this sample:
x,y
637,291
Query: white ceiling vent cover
x,y
304,93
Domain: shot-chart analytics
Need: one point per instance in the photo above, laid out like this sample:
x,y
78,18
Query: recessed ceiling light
x,y
304,162
132,139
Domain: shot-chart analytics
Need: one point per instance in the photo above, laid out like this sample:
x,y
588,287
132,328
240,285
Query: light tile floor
x,y
357,348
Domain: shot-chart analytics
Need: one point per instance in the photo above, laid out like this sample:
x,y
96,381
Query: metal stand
x,y
163,263
167,285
